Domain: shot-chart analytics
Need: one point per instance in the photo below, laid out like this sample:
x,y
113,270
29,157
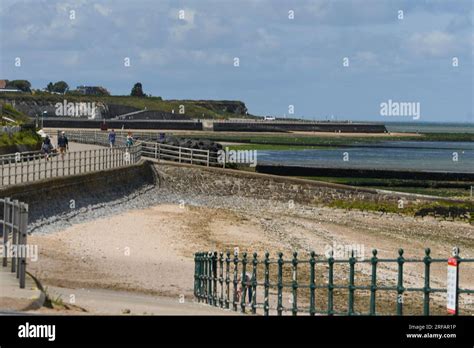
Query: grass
x,y
426,187
25,137
10,112
448,210
195,109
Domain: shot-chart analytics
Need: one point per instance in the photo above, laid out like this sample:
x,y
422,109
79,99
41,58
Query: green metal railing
x,y
314,286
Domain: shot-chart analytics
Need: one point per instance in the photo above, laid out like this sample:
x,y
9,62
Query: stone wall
x,y
52,197
216,181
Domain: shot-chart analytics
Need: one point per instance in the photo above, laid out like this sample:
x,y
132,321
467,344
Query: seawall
x,y
55,196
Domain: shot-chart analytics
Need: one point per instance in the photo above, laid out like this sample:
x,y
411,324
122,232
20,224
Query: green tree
x,y
22,85
60,87
137,90
50,87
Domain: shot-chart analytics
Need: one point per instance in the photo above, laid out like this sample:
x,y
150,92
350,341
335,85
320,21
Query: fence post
x,y
331,284
243,283
373,282
456,252
196,275
6,228
227,279
207,158
426,288
214,278
22,237
266,306
15,223
204,277
294,283
179,153
352,262
209,277
221,278
236,270
254,284
280,284
400,288
312,285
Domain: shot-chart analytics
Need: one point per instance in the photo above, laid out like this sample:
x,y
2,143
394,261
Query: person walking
x,y
129,139
112,138
46,147
63,144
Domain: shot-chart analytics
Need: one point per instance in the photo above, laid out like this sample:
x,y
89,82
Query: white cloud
x,y
434,43
104,11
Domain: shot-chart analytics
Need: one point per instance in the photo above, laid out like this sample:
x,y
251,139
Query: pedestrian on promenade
x,y
46,147
247,289
63,144
129,139
112,138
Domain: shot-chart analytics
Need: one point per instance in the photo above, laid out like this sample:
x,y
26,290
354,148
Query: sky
x,y
336,59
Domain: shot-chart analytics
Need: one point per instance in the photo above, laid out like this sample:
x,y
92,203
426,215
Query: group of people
x,y
47,147
63,144
128,143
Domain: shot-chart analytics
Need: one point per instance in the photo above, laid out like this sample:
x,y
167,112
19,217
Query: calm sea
x,y
395,155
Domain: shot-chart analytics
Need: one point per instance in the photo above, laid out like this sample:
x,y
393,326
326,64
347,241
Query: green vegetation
x,y
448,210
22,85
8,111
425,187
58,87
24,137
193,108
137,90
294,140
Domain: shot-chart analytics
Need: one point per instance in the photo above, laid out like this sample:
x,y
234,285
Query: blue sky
x,y
283,61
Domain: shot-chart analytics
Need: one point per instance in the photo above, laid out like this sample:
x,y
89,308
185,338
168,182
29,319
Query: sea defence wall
x,y
185,178
51,198
55,196
55,122
282,126
159,120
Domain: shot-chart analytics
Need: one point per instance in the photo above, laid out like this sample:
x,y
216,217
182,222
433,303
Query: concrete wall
x,y
54,122
50,197
197,179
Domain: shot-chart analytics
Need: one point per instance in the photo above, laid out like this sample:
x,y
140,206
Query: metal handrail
x,y
219,281
14,223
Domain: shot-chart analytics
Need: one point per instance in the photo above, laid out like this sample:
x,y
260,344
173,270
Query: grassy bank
x,y
26,137
193,108
445,210
425,187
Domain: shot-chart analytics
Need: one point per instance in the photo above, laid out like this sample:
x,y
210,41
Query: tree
x,y
137,90
60,87
50,87
22,85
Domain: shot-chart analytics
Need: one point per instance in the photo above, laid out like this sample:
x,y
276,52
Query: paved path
x,y
110,302
12,298
81,158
